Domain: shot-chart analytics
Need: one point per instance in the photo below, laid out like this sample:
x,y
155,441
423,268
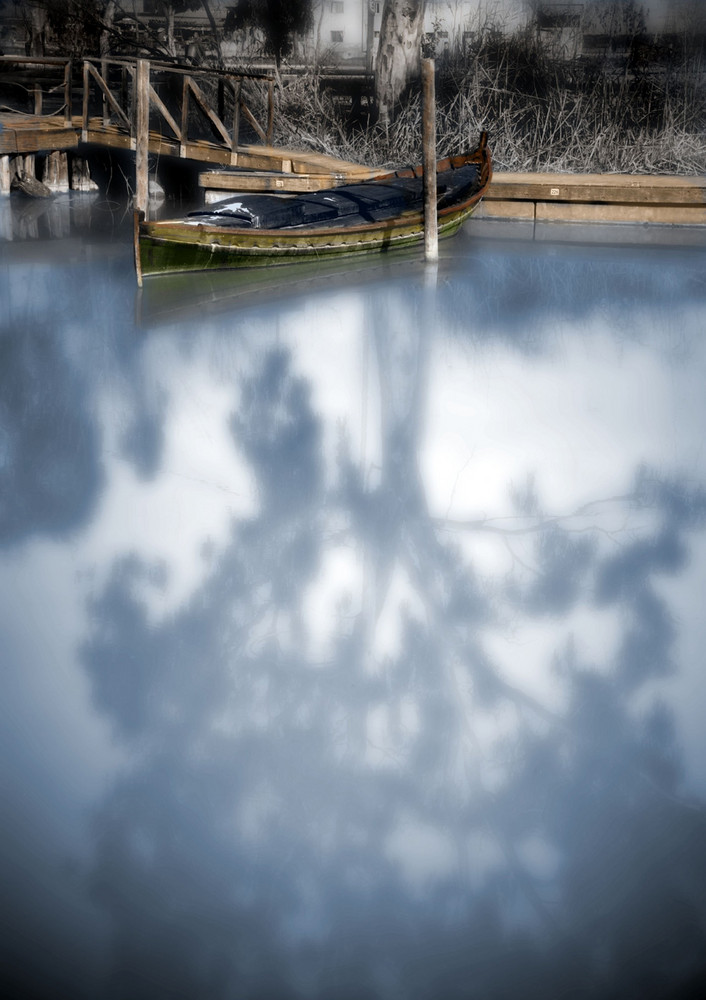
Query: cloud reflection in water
x,y
385,602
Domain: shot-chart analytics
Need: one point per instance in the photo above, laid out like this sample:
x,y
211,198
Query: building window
x,y
336,6
336,36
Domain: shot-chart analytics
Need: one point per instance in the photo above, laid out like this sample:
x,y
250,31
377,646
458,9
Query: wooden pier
x,y
153,109
225,121
635,198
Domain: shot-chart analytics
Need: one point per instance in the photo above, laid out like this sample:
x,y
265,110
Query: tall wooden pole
x,y
142,135
431,229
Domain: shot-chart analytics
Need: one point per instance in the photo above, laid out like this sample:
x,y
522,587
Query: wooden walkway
x,y
596,198
154,109
24,134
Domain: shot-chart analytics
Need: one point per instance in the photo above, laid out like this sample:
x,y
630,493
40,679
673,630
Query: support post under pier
x,y
5,175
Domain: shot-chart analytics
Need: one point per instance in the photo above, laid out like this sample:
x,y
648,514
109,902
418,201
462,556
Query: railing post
x,y
431,227
237,87
68,96
184,115
123,88
84,113
142,135
221,109
37,98
270,110
104,75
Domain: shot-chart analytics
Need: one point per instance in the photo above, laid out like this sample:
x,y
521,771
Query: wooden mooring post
x,y
142,135
431,228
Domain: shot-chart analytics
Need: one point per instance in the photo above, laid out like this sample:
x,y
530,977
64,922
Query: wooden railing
x,y
135,94
39,88
120,99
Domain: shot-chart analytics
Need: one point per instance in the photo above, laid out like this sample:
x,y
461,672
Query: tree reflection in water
x,y
393,815
338,787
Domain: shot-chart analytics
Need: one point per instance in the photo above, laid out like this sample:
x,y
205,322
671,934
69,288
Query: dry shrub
x,y
642,112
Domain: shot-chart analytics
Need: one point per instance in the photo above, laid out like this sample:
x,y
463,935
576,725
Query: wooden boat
x,y
372,216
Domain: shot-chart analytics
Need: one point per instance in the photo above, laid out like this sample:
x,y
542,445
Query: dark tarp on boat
x,y
348,205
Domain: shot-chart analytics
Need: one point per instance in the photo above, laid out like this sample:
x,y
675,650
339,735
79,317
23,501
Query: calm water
x,y
352,634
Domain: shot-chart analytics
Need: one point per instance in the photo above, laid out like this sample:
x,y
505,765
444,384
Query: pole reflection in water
x,y
352,642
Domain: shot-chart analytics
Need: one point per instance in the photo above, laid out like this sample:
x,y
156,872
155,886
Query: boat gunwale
x,y
410,230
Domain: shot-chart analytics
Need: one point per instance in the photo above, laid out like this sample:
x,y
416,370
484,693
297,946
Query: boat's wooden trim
x,y
276,241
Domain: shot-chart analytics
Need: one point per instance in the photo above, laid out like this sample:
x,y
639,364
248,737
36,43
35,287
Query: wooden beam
x,y
253,121
84,114
68,95
208,111
498,209
431,226
665,214
56,171
225,182
142,125
163,110
320,163
184,115
594,188
270,111
104,75
107,96
124,72
237,88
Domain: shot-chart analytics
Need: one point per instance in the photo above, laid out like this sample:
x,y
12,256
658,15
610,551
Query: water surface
x,y
352,632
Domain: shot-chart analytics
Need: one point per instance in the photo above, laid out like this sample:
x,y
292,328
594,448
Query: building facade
x,y
347,31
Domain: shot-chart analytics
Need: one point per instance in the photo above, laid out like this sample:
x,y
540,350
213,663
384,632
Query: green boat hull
x,y
168,254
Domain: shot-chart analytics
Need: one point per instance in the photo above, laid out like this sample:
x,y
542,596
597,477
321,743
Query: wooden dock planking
x,y
322,173
596,198
540,197
22,134
26,133
675,215
609,188
321,163
218,184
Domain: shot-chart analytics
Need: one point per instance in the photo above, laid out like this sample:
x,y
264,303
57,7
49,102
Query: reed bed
x,y
634,113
